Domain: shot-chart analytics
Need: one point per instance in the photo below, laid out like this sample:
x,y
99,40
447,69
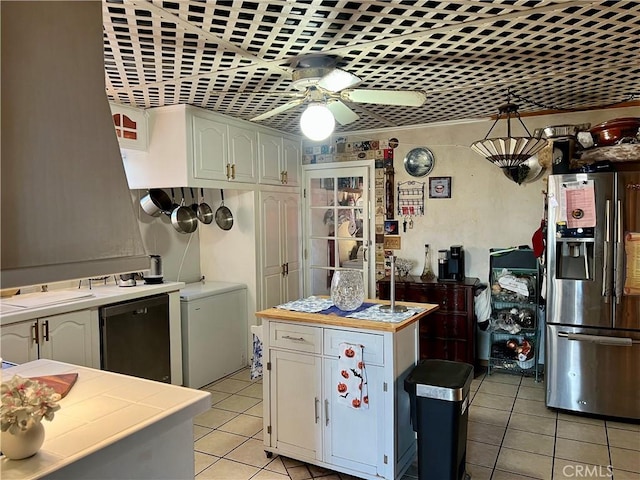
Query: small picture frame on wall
x,y
391,227
440,187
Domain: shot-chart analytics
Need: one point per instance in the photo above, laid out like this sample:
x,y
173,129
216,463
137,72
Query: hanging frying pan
x,y
224,217
205,213
183,219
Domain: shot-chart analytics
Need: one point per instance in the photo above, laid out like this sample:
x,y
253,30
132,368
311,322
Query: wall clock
x,y
419,162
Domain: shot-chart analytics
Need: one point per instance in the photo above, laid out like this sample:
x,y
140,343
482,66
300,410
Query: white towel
x,y
351,385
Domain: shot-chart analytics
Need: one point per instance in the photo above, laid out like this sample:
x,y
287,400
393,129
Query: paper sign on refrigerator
x,y
579,206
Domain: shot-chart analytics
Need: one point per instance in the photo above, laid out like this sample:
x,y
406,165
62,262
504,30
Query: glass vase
x,y
427,273
347,289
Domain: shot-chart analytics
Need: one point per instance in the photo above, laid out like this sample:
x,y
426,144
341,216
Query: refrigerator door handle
x,y
619,281
606,278
599,339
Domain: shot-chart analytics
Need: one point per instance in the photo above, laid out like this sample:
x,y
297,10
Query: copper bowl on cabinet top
x,y
612,131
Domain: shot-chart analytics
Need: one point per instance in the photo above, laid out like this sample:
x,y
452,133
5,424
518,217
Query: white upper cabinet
x,y
130,124
242,154
292,160
210,148
193,147
279,160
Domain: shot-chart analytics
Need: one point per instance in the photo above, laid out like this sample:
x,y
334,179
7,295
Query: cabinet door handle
x,y
286,176
295,339
233,171
228,171
317,409
326,412
45,335
286,268
34,333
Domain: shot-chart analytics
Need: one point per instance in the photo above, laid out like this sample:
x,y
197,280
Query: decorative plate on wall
x,y
419,162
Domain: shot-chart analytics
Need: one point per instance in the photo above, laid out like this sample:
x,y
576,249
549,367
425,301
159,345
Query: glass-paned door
x,y
337,224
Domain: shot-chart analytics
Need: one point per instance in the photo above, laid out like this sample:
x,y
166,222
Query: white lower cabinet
x,y
280,257
70,337
17,343
303,418
352,435
296,383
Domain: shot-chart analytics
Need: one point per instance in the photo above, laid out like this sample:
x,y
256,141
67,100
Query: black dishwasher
x,y
134,338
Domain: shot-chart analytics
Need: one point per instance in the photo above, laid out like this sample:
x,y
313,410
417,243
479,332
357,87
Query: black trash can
x,y
439,392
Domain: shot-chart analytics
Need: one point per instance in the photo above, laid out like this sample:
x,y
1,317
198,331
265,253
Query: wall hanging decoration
x,y
419,162
411,198
440,187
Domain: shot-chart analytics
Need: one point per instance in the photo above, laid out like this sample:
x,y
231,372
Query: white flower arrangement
x,y
25,401
403,266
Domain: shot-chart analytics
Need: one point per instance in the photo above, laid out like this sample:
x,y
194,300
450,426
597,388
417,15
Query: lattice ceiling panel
x,y
237,57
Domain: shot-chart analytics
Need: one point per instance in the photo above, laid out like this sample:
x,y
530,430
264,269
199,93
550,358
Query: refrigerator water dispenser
x,y
575,259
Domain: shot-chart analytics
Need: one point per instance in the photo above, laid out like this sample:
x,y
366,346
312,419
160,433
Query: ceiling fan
x,y
319,81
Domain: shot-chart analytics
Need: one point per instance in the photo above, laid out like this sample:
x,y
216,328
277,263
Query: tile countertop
x,y
338,321
100,295
102,408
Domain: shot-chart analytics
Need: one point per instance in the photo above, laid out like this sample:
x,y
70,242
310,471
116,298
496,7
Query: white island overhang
x,y
112,426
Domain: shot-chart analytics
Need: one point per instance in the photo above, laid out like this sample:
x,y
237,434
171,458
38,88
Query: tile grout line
x,y
555,443
506,427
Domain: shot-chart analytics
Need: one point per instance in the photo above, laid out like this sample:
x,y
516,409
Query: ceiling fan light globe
x,y
317,122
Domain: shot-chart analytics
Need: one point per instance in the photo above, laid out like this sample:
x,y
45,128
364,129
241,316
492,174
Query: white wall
x,y
180,252
486,209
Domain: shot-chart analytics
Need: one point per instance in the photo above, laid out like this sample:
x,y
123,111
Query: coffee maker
x,y
451,264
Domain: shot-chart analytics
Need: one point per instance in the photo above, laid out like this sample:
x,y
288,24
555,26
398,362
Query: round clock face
x,y
419,162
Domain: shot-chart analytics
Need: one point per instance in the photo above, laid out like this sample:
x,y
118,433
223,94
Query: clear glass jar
x,y
347,289
427,272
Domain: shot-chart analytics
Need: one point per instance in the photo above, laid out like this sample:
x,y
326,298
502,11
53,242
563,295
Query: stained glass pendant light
x,y
508,151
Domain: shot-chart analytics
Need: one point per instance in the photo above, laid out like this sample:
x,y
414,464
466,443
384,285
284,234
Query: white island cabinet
x,y
303,418
112,426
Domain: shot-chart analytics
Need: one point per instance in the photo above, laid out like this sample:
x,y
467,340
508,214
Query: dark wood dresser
x,y
450,332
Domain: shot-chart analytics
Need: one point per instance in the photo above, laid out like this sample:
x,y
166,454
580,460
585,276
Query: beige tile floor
x,y
511,436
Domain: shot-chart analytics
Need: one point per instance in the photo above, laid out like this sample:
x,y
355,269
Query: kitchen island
x,y
112,426
304,415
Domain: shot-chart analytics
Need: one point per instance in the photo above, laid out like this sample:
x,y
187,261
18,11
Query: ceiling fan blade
x,y
338,79
258,93
280,109
343,114
410,98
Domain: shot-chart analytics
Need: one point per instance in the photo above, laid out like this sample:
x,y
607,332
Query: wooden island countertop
x,y
323,319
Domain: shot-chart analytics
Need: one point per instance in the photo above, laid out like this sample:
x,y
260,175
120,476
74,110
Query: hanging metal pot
x,y
183,219
224,217
204,212
155,202
174,205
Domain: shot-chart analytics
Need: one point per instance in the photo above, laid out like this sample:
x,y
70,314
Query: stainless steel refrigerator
x,y
592,354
